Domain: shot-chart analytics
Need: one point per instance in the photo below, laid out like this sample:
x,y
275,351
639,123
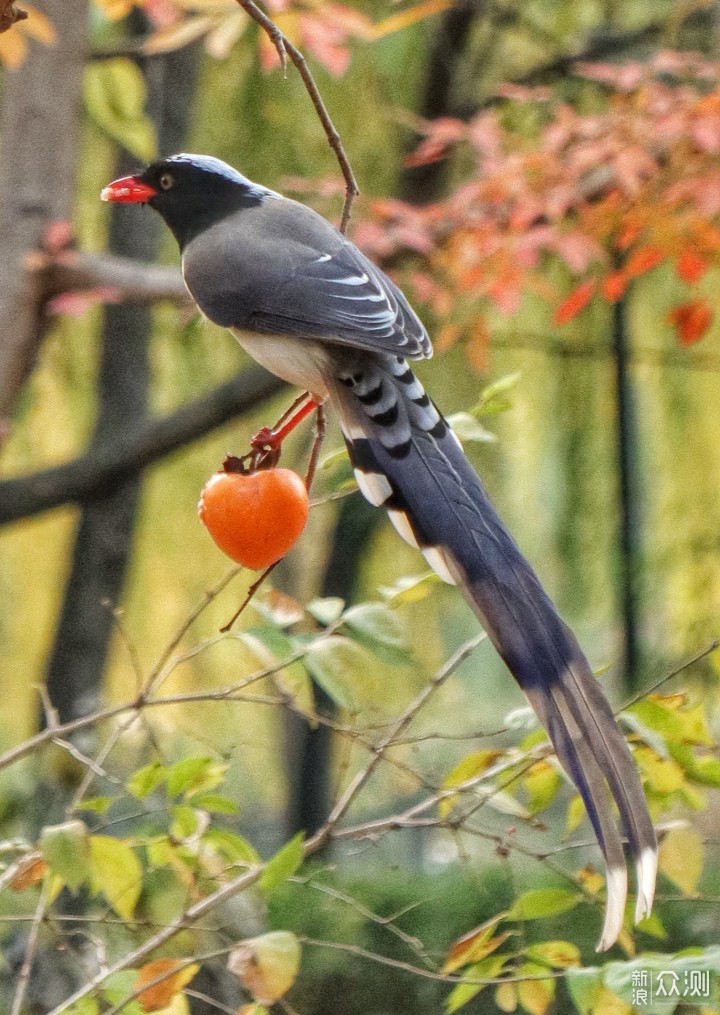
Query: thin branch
x,y
701,654
30,948
284,49
127,279
103,467
397,728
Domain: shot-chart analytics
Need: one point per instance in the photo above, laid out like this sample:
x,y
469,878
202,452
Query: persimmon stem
x,y
248,598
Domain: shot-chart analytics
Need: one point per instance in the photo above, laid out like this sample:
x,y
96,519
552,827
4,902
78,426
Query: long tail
x,y
407,459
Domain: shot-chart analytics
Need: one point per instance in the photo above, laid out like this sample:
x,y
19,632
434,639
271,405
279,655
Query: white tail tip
x,y
646,874
617,882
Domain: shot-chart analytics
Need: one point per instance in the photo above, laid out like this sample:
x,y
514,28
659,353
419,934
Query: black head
x,y
191,192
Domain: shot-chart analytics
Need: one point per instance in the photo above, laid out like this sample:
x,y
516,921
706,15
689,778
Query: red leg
x,y
273,437
317,444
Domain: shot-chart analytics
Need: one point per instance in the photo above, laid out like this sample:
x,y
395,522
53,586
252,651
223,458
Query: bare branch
x,y
285,48
103,467
131,280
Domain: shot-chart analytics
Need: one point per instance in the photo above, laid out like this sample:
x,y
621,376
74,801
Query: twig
x,y
26,969
702,654
342,805
256,585
284,49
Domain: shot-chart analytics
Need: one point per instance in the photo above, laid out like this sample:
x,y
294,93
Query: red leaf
x,y
642,260
575,302
690,266
691,320
614,286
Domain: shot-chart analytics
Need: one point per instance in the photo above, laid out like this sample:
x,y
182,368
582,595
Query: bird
x,y
308,305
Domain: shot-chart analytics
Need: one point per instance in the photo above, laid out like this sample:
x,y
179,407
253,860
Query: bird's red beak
x,y
128,190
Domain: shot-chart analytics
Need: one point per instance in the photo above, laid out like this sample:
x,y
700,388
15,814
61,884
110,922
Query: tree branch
x,y
103,467
284,49
134,281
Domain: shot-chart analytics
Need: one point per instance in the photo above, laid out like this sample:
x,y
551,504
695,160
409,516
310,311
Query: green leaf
x,y
326,611
146,779
66,851
410,589
342,668
493,398
539,903
704,769
187,822
116,873
284,864
468,428
233,847
118,986
215,803
584,987
488,969
195,775
376,627
115,97
96,804
85,1006
270,647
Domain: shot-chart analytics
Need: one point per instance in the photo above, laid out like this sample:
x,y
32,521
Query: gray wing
x,y
343,297
282,269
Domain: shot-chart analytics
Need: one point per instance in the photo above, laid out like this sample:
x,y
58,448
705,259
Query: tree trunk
x,y
104,539
40,119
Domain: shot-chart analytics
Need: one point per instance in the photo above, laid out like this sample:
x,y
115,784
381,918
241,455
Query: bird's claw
x,y
266,438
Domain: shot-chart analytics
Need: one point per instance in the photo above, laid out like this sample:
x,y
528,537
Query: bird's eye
x,y
166,181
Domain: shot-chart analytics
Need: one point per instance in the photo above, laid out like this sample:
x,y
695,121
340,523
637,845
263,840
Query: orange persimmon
x,y
256,517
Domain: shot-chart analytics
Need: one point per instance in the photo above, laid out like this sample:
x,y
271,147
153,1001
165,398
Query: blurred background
x,y
542,180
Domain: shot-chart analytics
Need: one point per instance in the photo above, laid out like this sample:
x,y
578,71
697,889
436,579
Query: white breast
x,y
302,363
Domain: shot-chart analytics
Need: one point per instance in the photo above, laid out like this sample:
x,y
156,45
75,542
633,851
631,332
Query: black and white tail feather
x,y
407,459
306,303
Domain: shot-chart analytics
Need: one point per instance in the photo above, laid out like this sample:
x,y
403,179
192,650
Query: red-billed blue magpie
x,y
309,306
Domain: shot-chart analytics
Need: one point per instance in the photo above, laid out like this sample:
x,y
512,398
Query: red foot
x,y
265,438
273,438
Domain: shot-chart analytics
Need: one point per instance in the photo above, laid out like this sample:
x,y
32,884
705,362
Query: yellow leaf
x,y
470,767
39,26
116,872
30,871
542,783
267,965
115,9
13,48
681,858
608,1003
559,954
591,880
694,725
164,978
575,814
474,947
165,40
506,997
396,22
535,996
663,774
